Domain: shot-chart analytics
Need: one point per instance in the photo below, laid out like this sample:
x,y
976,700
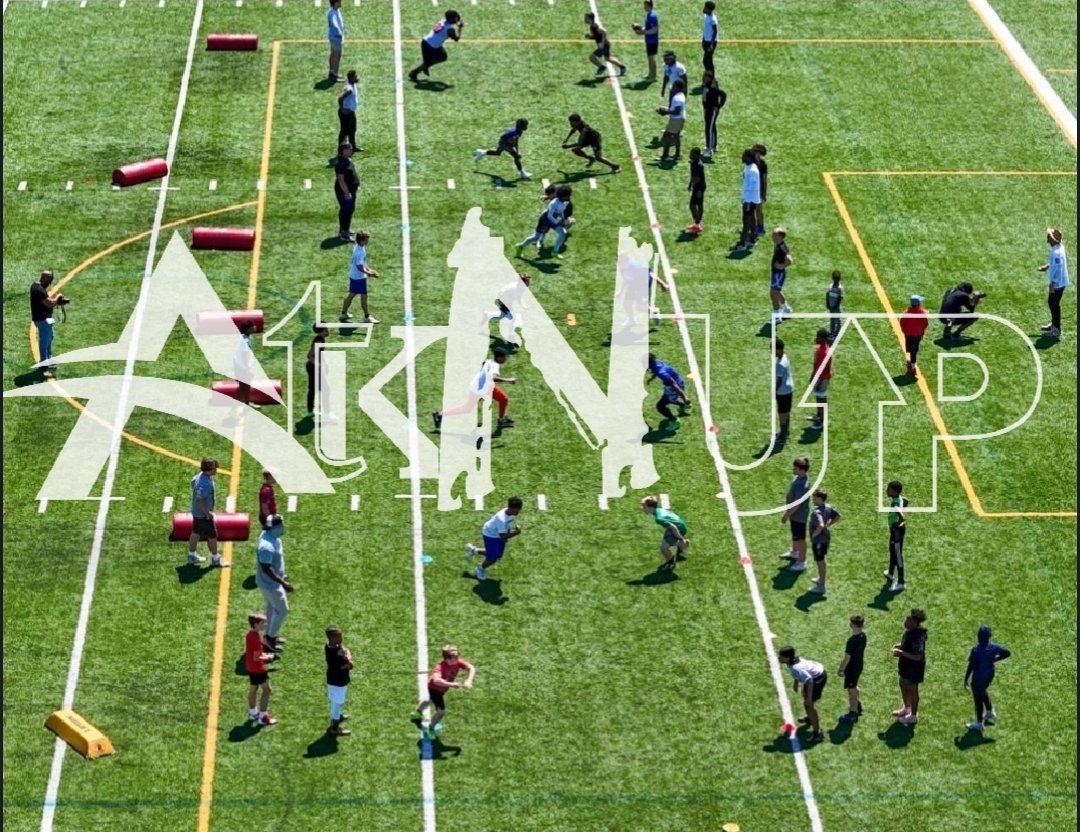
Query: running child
x,y
674,532
822,519
697,191
255,659
496,532
441,680
554,217
897,530
674,391
834,297
980,673
588,137
432,50
601,56
508,143
483,387
851,668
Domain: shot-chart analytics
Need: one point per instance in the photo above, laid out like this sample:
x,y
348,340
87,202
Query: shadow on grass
x,y
810,435
432,86
740,254
903,380
333,242
569,177
1043,342
882,599
436,749
656,578
249,583
643,84
498,181
489,591
244,731
805,601
661,434
897,735
777,448
189,573
686,237
324,84
842,732
595,81
765,331
305,426
34,376
782,744
972,739
955,341
785,579
542,265
323,746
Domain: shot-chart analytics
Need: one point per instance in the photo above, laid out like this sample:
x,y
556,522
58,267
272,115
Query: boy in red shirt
x,y
441,680
267,498
822,356
255,659
914,328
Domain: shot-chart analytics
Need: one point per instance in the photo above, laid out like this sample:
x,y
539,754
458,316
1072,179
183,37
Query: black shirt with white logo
x,y
337,671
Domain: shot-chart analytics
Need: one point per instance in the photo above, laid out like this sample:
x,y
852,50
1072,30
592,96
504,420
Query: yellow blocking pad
x,y
79,734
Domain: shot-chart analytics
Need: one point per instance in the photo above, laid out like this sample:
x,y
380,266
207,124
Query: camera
x,y
978,295
62,301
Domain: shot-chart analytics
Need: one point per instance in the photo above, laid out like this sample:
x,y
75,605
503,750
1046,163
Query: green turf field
x,y
905,149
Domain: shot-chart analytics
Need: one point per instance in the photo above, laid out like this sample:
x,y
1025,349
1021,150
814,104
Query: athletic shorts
x,y
819,686
669,538
591,138
749,207
494,548
437,697
204,527
336,694
913,675
851,680
357,286
652,48
820,550
821,391
911,343
777,280
783,403
336,44
798,530
602,52
543,225
432,55
258,678
675,126
506,147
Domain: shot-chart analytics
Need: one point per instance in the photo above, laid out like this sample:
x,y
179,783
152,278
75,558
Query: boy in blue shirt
x,y
674,391
508,143
651,32
980,673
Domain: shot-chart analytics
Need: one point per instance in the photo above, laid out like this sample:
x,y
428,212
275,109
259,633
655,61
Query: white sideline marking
x,y
665,503
513,2
721,470
451,184
230,504
75,666
307,184
42,505
601,500
279,3
551,2
239,3
474,2
354,503
541,502
545,183
356,3
1046,94
291,505
213,184
161,4
318,3
427,764
166,505
418,496
259,184
123,3
69,185
592,182
44,3
82,4
22,185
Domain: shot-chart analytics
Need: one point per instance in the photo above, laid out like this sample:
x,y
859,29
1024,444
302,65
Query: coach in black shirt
x,y
961,298
346,184
41,309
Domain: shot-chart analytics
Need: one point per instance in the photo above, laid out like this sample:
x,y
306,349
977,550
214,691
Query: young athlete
x,y
553,218
797,513
712,100
496,532
650,30
601,56
673,71
897,530
267,498
441,680
823,362
508,143
751,199
588,137
822,519
812,676
359,272
759,151
697,191
676,115
911,651
980,673
785,391
674,532
339,663
781,259
674,391
851,668
255,659
914,328
508,308
552,192
710,33
483,387
834,297
432,50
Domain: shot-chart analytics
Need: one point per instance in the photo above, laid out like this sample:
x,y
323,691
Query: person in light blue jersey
x,y
1057,269
335,33
348,101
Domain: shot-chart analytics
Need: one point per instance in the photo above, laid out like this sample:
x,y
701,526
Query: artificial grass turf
x,y
549,739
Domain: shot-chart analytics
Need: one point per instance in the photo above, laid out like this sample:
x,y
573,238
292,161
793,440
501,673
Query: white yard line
x,y
427,765
75,666
713,445
166,505
1046,94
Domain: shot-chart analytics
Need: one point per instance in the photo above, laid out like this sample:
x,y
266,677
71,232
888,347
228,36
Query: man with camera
x,y
41,309
1057,270
959,299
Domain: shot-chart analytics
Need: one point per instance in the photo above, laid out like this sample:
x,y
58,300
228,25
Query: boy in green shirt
x,y
674,531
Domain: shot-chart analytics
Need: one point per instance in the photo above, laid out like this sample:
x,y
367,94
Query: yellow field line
x,y
924,387
221,620
1066,71
684,41
945,173
87,263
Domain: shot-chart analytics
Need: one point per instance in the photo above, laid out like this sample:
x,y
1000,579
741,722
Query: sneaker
x,y
974,726
217,561
817,737
622,72
706,154
910,719
660,159
253,714
470,552
506,422
803,720
667,566
897,587
436,417
887,575
899,712
1053,332
674,424
370,320
990,717
616,169
343,717
524,174
786,309
481,573
412,76
345,317
760,231
272,646
347,236
336,730
267,720
817,589
860,709
479,154
797,566
1047,328
195,559
788,555
850,716
600,70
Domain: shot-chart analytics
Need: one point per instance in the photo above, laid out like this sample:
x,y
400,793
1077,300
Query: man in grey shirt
x,y
797,513
270,578
785,390
203,493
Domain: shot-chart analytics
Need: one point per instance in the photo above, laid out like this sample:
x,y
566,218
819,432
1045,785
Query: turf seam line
x,y
713,445
53,787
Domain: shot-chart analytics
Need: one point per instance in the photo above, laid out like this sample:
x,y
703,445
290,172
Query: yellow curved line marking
x,y
83,266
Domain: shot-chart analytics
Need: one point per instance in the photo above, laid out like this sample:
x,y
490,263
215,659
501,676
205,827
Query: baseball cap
x,y
1054,234
916,300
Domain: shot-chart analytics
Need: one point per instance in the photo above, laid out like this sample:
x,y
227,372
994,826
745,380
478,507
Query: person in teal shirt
x,y
674,532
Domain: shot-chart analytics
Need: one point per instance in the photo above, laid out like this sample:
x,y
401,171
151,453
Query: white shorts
x,y
336,694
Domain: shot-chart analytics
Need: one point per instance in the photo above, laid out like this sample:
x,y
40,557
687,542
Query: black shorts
x,y
543,225
697,195
437,697
603,51
851,679
652,48
259,678
820,550
798,530
819,687
911,343
204,527
507,147
912,672
591,138
432,54
783,403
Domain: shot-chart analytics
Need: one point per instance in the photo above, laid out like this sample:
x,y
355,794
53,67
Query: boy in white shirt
x,y
497,531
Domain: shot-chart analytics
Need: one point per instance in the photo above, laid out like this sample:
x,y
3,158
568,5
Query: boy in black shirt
x,y
911,651
588,138
339,662
346,184
851,667
697,190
